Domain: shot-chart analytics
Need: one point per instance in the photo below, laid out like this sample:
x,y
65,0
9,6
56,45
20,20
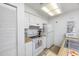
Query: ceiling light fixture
x,y
52,9
58,11
47,11
51,14
53,5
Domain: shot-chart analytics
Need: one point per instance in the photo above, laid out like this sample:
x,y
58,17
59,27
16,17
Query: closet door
x,y
7,30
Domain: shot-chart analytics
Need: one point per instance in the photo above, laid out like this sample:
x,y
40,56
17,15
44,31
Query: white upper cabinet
x,y
27,20
40,22
33,20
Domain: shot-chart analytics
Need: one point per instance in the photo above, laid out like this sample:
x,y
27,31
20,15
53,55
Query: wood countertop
x,y
28,40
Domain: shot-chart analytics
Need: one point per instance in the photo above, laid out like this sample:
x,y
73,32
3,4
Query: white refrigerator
x,y
49,33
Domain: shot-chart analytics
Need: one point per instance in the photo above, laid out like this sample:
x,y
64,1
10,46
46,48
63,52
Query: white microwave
x,y
33,31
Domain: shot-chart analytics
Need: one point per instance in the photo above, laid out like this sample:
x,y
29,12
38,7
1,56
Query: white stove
x,y
37,46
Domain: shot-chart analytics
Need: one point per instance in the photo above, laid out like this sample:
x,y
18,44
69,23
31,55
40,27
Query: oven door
x,y
37,46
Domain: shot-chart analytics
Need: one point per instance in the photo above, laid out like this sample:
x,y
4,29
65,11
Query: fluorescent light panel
x,y
51,14
58,11
53,10
47,11
53,5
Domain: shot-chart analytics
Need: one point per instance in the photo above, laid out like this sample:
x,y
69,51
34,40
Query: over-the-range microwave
x,y
33,31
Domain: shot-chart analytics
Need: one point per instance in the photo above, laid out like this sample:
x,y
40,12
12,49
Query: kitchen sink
x,y
72,44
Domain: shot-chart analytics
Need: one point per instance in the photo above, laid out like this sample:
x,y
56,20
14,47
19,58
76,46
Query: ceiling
x,y
65,7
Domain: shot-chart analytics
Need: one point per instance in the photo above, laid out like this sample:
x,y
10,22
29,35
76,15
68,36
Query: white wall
x,y
60,26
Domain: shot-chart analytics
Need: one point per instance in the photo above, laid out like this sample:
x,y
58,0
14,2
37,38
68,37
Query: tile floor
x,y
52,51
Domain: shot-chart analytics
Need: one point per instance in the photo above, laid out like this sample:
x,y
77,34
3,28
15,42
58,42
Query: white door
x,y
7,30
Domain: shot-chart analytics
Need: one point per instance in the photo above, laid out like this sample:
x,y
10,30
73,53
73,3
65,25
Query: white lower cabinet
x,y
29,49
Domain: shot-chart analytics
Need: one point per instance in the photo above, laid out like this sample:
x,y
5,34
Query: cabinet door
x,y
26,22
33,20
29,49
39,21
7,30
